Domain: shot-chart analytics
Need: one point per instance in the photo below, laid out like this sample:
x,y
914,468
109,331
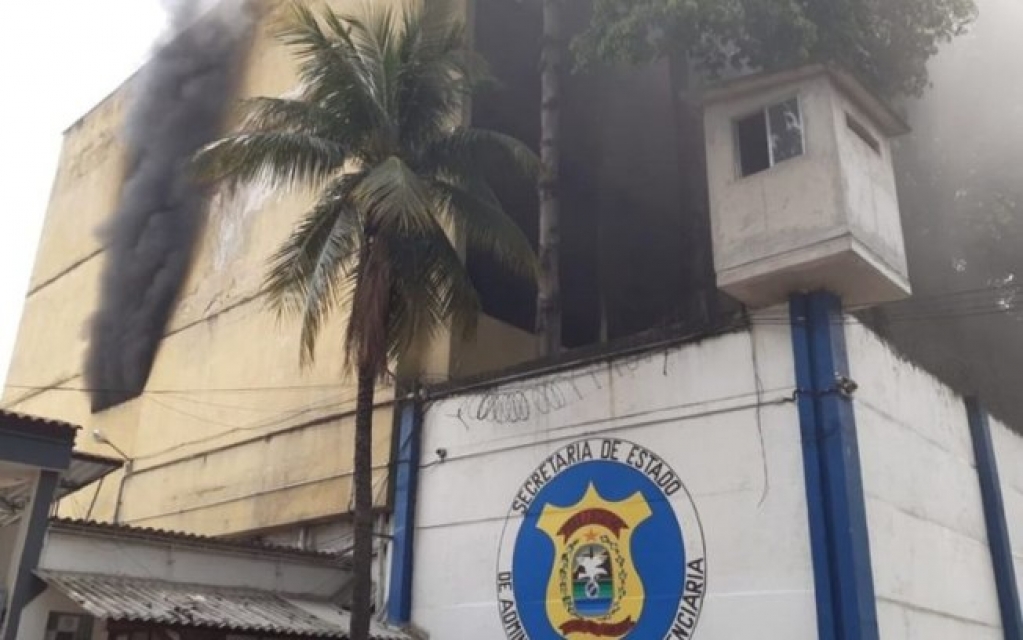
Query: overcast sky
x,y
57,59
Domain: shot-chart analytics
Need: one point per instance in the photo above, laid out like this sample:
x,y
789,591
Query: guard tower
x,y
802,188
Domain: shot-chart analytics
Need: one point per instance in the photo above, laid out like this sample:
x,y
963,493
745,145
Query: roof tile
x,y
158,602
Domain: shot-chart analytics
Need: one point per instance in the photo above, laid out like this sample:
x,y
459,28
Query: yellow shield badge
x,y
602,542
594,590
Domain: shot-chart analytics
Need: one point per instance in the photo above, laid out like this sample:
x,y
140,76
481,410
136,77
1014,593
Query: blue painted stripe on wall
x,y
837,510
994,516
399,601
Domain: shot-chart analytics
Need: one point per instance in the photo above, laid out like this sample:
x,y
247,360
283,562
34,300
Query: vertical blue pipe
x,y
808,420
994,516
399,602
843,574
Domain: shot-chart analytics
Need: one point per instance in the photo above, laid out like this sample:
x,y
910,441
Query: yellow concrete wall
x,y
495,346
232,435
217,440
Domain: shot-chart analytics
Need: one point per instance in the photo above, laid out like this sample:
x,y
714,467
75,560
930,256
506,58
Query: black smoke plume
x,y
178,104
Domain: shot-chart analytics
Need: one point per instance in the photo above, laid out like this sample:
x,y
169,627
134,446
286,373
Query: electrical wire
x,y
758,384
990,300
232,407
252,427
910,310
549,432
1011,313
968,303
83,389
259,424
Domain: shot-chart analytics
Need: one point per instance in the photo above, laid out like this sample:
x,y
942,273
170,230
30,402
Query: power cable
x,y
252,427
234,407
83,389
786,399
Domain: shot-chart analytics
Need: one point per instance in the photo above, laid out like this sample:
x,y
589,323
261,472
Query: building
x,y
768,466
82,580
234,407
791,476
115,581
33,455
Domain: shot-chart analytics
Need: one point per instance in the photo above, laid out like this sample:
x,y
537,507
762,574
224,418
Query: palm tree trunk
x,y
548,307
362,562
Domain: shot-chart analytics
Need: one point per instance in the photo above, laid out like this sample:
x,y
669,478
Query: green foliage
x,y
885,42
373,131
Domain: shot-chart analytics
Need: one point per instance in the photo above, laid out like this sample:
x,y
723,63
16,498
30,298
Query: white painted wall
x,y
695,406
36,614
933,575
1009,452
110,555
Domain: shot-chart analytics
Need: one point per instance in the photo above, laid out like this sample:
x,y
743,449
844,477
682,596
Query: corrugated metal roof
x,y
171,604
35,425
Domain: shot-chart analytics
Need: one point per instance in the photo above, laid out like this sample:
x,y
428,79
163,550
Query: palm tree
x,y
374,131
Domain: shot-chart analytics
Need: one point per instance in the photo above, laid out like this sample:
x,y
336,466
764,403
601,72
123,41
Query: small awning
x,y
85,468
170,604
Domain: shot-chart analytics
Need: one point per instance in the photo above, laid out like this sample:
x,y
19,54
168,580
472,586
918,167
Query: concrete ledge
x,y
841,264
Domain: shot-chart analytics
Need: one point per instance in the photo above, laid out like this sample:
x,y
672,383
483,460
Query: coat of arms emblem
x,y
594,590
602,543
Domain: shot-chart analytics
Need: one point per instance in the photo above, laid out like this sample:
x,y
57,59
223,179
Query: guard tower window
x,y
769,136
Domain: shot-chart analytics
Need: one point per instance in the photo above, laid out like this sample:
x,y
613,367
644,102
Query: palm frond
x,y
333,72
438,73
310,272
366,42
395,199
460,152
283,114
431,290
285,159
477,216
380,92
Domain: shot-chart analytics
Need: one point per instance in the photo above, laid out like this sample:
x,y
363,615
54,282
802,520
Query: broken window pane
x,y
786,129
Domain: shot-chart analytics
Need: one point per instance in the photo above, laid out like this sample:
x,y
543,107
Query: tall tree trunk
x,y
548,306
363,478
699,293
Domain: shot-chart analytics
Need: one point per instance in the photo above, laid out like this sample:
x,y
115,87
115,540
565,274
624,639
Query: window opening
x,y
769,136
68,626
863,133
754,154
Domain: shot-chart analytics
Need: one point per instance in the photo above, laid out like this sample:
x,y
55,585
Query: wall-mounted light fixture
x,y
102,438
